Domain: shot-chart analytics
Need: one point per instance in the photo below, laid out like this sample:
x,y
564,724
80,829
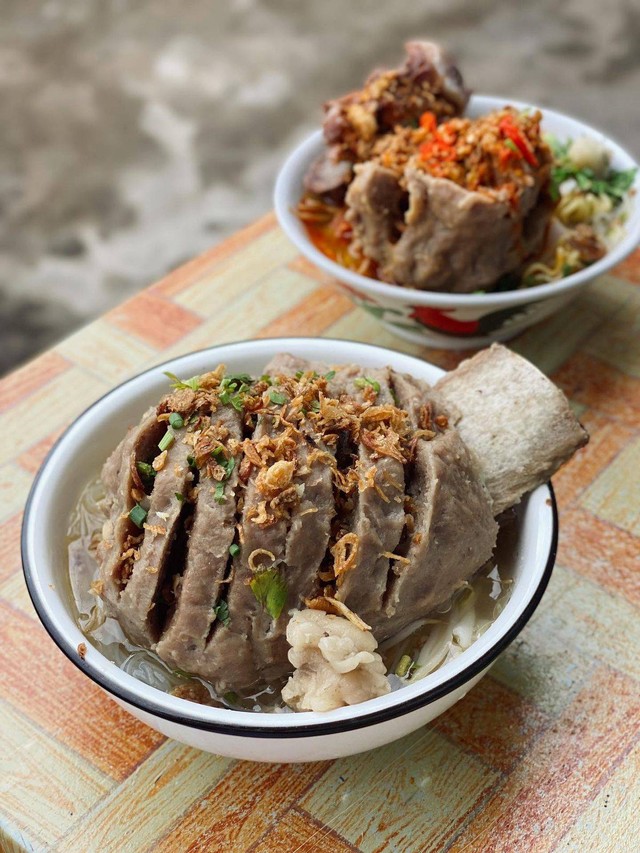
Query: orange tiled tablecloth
x,y
543,755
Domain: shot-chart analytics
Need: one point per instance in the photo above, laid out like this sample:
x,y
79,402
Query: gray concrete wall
x,y
136,134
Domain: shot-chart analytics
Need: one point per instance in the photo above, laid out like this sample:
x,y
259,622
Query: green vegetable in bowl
x,y
597,178
270,589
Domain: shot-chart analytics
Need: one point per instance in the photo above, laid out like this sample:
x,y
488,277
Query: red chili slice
x,y
428,121
438,149
509,129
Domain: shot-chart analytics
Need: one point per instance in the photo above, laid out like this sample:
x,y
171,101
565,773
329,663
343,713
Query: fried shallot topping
x,y
297,406
130,554
345,554
275,479
182,401
261,559
337,608
304,423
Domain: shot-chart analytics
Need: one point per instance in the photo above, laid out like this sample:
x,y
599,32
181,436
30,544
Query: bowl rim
x,y
243,727
300,158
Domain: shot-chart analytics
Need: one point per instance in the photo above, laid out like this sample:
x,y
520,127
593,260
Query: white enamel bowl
x,y
78,455
455,320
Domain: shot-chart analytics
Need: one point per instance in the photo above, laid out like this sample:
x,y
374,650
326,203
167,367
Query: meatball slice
x,y
377,521
450,530
122,484
210,542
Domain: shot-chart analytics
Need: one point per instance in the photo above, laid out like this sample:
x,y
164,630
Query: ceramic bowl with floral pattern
x,y
458,320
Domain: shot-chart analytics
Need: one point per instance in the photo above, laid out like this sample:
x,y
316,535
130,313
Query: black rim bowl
x,y
256,731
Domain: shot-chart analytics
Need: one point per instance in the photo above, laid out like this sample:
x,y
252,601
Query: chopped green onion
x,y
299,374
363,381
221,612
228,466
278,398
191,462
234,550
266,378
405,666
511,144
218,495
167,439
146,470
615,183
315,405
236,400
560,150
192,384
179,497
584,179
138,515
176,420
330,374
231,697
235,381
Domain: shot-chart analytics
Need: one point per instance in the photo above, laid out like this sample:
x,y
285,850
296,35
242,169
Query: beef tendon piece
x,y
587,245
517,422
335,663
212,535
450,530
328,176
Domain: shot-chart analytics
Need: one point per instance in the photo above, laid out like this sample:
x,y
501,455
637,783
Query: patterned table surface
x,y
543,755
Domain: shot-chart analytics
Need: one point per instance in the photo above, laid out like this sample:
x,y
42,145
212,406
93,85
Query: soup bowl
x,y
258,736
457,320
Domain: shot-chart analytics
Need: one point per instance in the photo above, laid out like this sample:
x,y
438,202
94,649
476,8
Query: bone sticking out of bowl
x,y
517,422
428,79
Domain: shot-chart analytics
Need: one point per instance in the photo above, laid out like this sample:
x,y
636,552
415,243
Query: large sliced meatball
x,y
352,490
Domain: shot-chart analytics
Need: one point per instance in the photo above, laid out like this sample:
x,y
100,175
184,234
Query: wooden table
x,y
543,755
